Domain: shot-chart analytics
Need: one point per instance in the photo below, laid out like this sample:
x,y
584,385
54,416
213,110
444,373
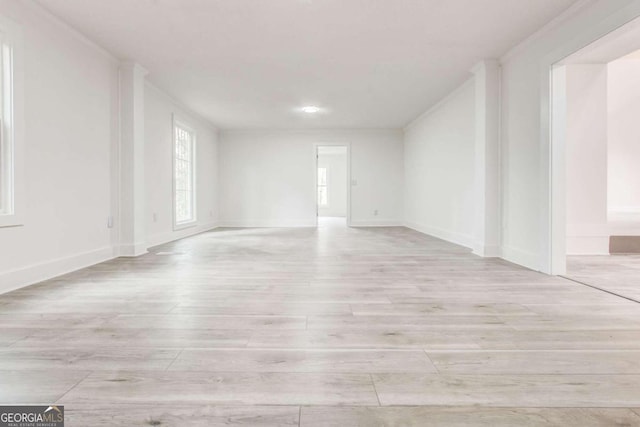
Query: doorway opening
x,y
595,134
332,185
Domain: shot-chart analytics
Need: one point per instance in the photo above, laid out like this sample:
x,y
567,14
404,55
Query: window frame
x,y
184,125
12,124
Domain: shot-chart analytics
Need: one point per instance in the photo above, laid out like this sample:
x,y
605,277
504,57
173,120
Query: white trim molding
x,y
13,124
454,93
487,158
520,256
587,239
553,251
35,273
132,213
180,123
261,223
171,236
460,239
378,223
131,250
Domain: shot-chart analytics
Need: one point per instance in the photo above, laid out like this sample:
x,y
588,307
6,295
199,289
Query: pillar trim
x,y
487,159
132,227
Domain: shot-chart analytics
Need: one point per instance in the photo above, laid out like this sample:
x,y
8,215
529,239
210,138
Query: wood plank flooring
x,y
320,327
617,273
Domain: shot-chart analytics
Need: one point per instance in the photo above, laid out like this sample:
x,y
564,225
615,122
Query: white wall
x,y
335,162
586,159
269,177
70,114
159,111
526,158
439,169
624,137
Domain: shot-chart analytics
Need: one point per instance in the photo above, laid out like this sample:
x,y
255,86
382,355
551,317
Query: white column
x,y
132,195
487,159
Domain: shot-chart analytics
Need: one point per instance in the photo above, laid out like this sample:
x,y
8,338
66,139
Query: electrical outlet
x,y
354,182
155,217
375,213
110,221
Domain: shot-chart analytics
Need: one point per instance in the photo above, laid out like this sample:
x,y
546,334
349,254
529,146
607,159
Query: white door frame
x,y
316,146
552,150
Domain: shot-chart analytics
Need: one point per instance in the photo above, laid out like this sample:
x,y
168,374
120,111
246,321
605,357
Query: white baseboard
x,y
450,236
588,239
521,257
267,223
624,210
517,256
131,250
588,245
25,276
170,236
627,225
303,223
377,223
487,251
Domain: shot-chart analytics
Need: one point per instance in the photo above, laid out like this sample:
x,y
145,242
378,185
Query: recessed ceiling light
x,y
310,109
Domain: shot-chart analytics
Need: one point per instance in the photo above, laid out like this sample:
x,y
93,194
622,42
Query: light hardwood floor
x,y
320,327
617,273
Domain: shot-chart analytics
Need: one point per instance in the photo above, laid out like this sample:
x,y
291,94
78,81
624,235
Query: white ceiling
x,y
252,63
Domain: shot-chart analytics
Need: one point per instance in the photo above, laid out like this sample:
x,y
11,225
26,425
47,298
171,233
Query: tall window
x,y
6,128
184,175
322,187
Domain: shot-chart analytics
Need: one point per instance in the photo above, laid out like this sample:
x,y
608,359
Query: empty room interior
x,y
320,212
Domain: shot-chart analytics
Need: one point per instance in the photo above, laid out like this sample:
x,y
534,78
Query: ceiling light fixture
x,y
310,109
